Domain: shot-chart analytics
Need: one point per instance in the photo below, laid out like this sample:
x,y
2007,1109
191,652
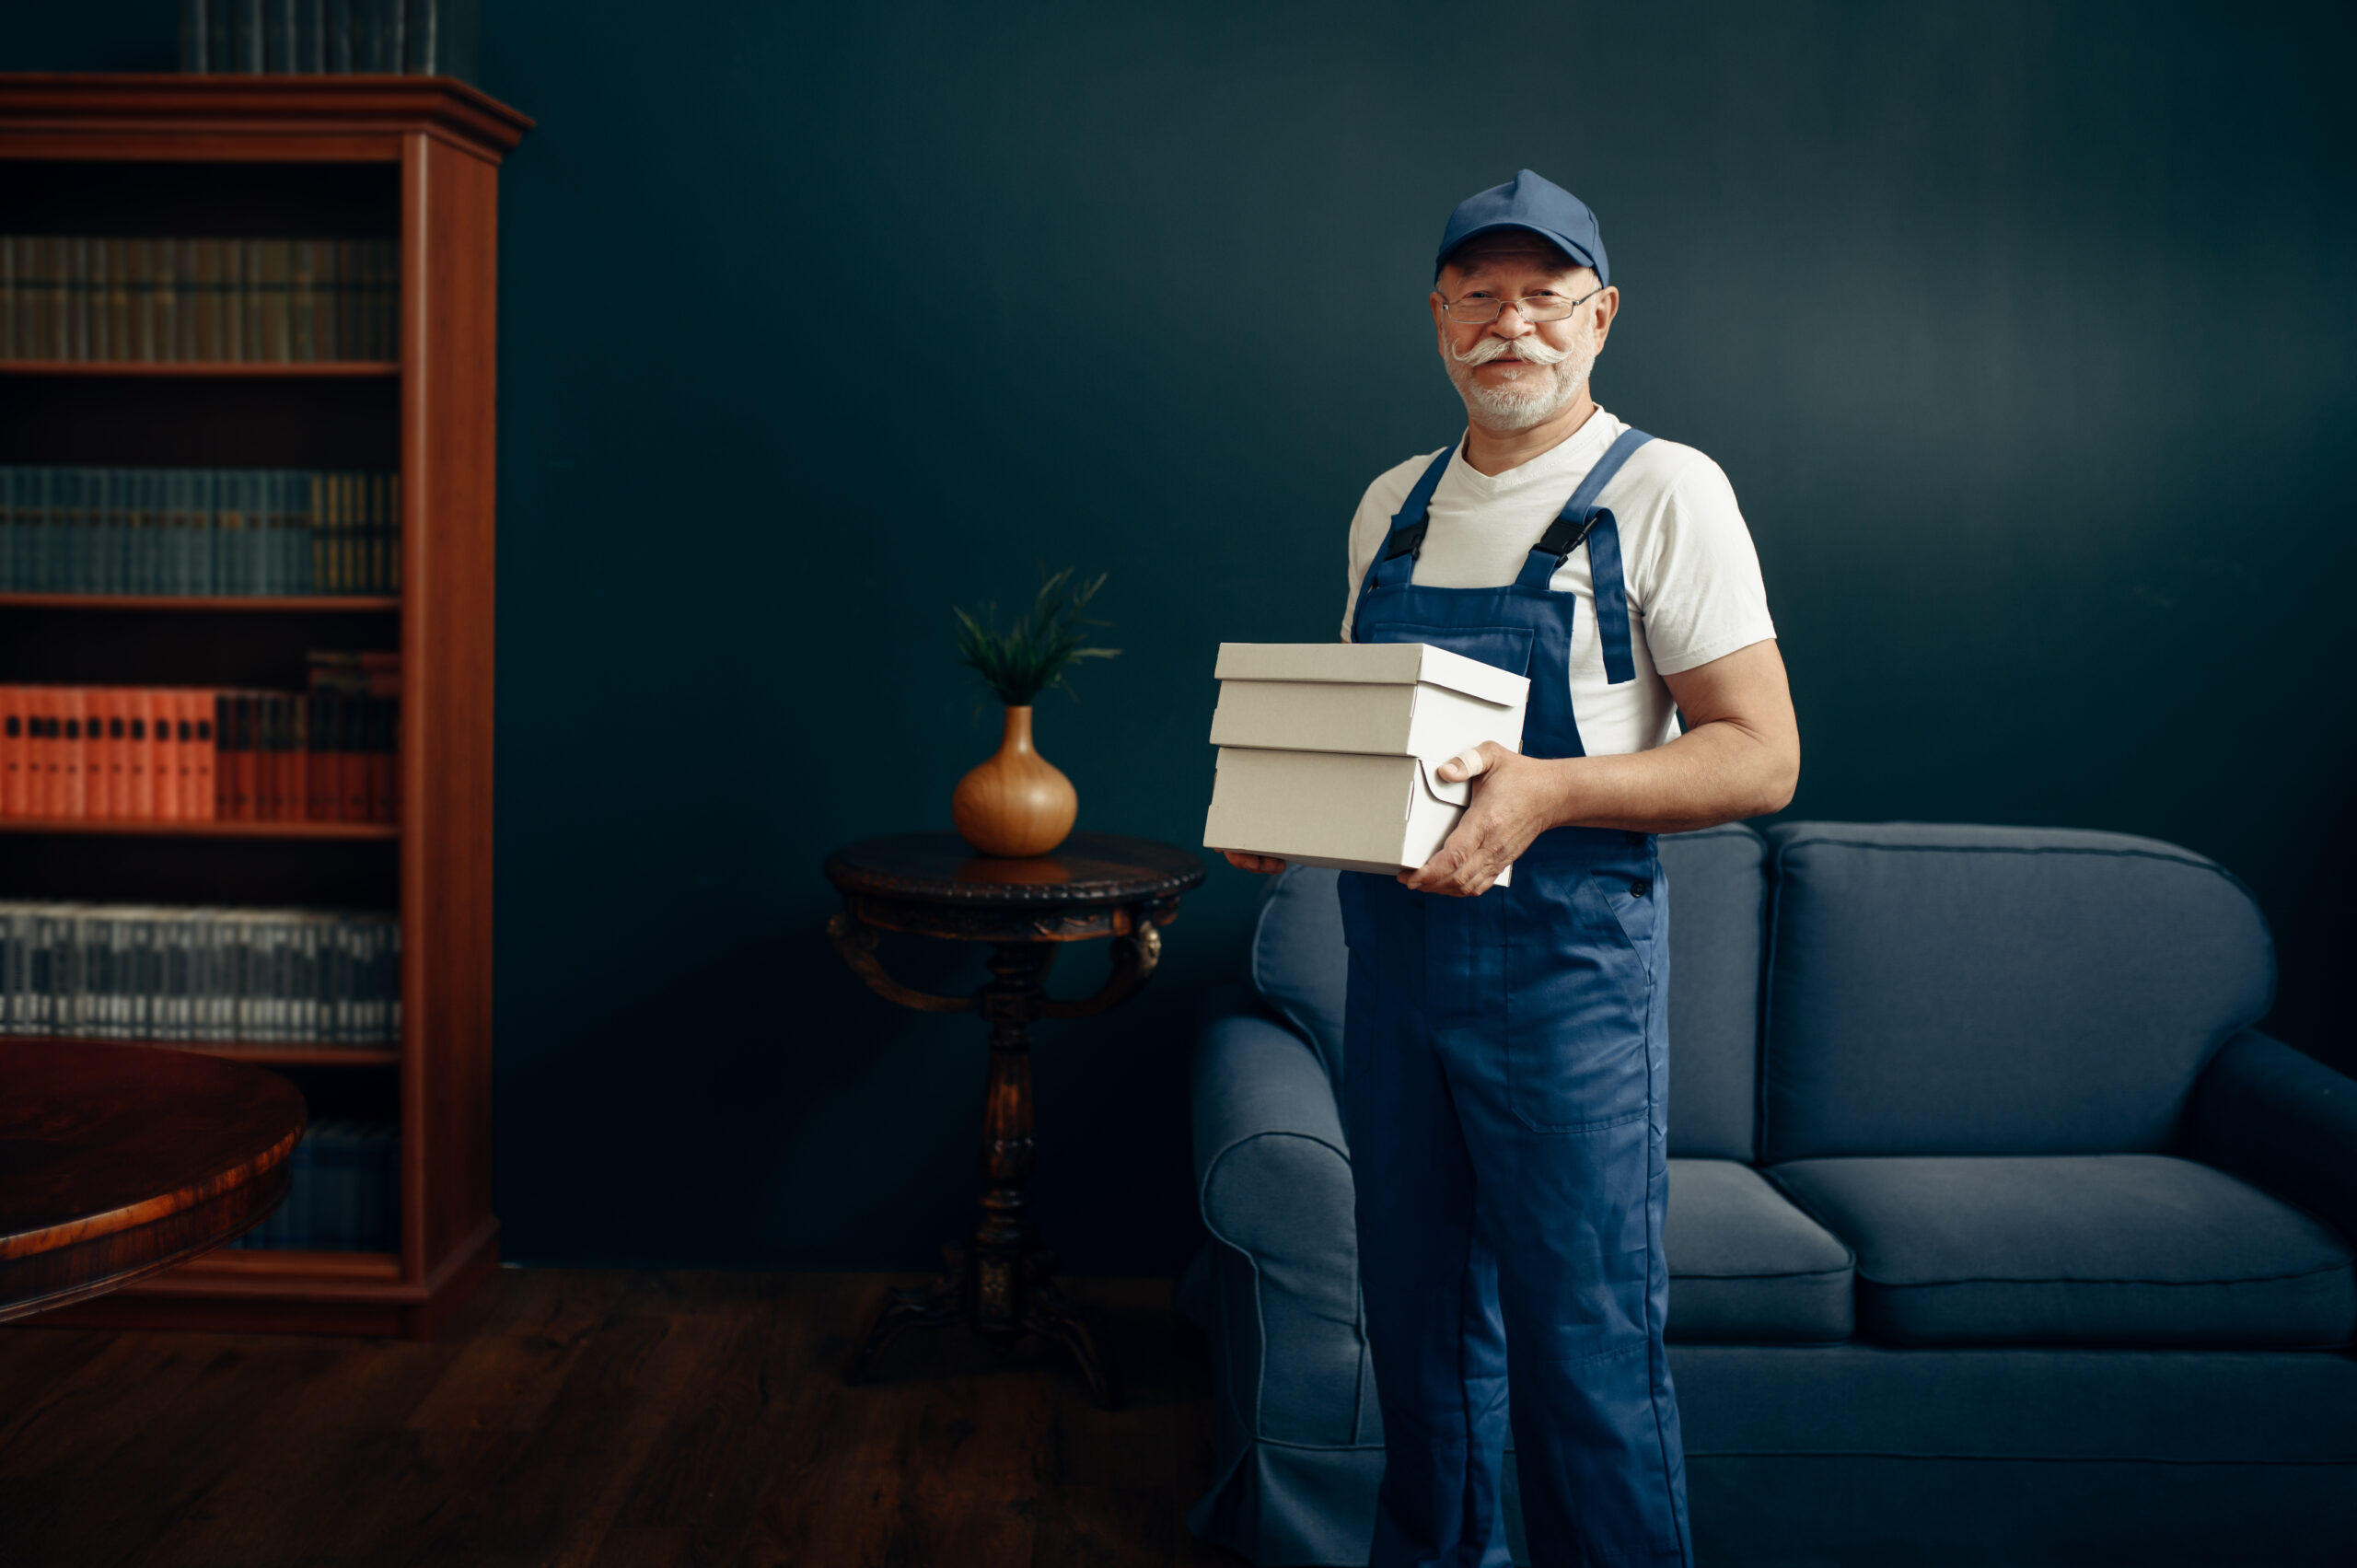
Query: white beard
x,y
1545,387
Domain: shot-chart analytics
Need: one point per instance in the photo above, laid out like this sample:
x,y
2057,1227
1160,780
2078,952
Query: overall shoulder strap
x,y
1406,535
1581,521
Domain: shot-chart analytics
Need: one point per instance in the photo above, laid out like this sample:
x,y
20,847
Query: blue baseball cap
x,y
1532,202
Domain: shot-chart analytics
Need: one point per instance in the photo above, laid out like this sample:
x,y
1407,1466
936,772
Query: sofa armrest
x,y
1273,1177
2281,1121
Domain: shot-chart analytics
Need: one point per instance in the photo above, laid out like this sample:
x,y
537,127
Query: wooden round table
x,y
122,1160
1094,884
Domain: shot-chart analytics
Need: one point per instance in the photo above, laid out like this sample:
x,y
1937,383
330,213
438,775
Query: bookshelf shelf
x,y
283,604
266,1055
414,160
209,369
133,828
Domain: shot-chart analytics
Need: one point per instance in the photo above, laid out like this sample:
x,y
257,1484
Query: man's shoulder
x,y
1665,466
1391,486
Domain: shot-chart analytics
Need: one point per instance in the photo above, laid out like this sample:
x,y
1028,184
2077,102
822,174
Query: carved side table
x,y
932,885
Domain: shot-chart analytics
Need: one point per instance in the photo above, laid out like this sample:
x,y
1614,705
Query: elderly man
x,y
1506,1087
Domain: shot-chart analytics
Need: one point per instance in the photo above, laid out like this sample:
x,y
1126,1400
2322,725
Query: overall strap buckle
x,y
1407,536
1566,534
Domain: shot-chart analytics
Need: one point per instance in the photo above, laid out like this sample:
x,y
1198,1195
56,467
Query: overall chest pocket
x,y
1579,996
1506,648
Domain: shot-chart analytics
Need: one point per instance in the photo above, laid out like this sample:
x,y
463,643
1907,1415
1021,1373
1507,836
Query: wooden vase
x,y
1018,803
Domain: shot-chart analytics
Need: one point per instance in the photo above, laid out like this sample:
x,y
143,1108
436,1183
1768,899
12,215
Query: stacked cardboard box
x,y
1330,751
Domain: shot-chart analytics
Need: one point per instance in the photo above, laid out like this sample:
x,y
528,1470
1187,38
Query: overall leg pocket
x,y
1577,997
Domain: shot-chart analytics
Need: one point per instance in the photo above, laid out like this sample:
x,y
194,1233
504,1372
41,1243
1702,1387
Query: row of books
x,y
312,37
343,1191
116,300
224,532
263,976
173,754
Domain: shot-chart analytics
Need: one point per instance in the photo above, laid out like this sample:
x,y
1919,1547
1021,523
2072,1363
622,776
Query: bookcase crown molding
x,y
209,108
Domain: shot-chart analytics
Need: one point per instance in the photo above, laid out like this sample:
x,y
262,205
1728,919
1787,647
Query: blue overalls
x,y
1507,1089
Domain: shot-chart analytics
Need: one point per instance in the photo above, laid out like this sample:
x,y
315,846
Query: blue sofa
x,y
1996,1234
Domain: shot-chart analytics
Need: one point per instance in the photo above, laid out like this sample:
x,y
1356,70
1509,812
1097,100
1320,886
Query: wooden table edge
x,y
88,1227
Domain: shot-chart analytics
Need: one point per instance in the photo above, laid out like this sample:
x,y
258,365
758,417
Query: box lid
x,y
1372,664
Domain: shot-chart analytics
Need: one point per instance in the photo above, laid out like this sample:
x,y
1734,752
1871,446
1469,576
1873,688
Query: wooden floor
x,y
607,1420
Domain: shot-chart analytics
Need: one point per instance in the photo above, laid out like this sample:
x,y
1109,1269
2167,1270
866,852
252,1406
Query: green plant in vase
x,y
1018,803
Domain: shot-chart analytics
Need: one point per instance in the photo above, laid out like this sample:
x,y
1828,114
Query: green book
x,y
204,545
228,532
143,519
179,527
103,500
73,498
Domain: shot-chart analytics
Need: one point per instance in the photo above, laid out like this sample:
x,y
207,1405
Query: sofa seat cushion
x,y
2077,1249
1746,1266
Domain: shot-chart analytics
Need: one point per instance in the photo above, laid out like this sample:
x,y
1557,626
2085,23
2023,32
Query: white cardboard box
x,y
1328,749
1380,814
1377,698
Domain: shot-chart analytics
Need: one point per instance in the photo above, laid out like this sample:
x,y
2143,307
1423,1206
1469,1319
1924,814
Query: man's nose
x,y
1510,323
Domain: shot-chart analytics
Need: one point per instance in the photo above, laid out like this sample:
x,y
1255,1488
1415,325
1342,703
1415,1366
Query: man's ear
x,y
1607,305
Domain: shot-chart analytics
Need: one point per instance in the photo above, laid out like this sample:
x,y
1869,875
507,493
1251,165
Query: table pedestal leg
x,y
1001,1285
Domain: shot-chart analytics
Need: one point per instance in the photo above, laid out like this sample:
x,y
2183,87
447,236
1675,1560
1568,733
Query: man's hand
x,y
1516,798
1740,756
1266,864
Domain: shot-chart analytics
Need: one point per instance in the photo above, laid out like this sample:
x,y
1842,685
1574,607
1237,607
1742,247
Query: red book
x,y
203,756
187,725
352,759
295,741
319,763
73,753
15,740
225,760
261,741
123,702
384,804
47,767
164,756
286,761
94,752
273,774
110,792
138,755
35,702
245,787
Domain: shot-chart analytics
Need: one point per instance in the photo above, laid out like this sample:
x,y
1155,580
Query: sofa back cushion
x,y
1718,899
1949,990
1718,896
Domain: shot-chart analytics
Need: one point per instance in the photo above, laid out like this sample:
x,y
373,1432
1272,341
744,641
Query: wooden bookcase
x,y
415,159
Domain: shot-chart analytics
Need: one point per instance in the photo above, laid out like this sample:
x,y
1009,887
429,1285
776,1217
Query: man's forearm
x,y
1713,773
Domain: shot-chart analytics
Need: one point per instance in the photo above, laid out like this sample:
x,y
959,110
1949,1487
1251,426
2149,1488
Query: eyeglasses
x,y
1480,309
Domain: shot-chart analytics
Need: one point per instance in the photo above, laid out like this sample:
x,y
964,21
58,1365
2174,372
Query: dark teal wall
x,y
2023,331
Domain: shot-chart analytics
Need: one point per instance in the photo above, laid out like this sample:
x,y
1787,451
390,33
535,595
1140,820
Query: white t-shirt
x,y
1694,577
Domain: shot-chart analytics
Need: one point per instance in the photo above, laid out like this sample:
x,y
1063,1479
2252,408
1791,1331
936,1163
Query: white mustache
x,y
1528,349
